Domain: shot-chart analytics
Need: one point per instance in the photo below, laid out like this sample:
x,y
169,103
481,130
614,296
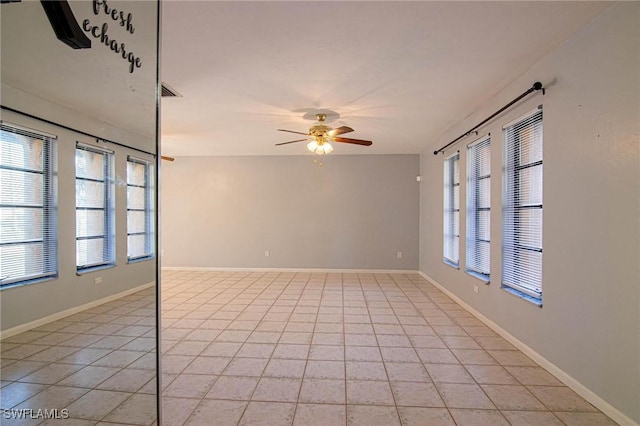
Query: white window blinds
x,y
28,223
140,224
94,207
451,210
479,207
522,206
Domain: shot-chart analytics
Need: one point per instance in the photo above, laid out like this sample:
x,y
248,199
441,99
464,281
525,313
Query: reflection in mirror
x,y
78,214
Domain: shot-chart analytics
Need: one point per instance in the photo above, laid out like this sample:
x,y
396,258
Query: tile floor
x,y
98,364
248,348
243,348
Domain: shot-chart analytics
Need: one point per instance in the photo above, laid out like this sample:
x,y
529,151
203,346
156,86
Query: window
x,y
479,208
451,210
522,207
28,223
140,226
94,207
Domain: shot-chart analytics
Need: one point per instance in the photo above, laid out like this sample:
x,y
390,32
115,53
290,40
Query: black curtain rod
x,y
536,86
44,120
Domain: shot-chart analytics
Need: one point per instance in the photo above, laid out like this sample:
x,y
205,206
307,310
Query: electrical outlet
x,y
266,253
475,288
399,255
162,252
97,280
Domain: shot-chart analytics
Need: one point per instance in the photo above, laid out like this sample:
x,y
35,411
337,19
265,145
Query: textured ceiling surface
x,y
399,73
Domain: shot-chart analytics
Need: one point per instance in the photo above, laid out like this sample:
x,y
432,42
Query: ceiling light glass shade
x,y
319,148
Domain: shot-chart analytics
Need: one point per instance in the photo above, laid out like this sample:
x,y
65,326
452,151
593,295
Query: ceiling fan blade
x,y
291,131
164,157
340,130
354,141
284,143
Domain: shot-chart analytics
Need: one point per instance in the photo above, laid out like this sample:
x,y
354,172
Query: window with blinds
x,y
140,224
28,223
451,210
522,207
95,239
479,208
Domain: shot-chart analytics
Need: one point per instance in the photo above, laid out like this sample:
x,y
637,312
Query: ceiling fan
x,y
320,135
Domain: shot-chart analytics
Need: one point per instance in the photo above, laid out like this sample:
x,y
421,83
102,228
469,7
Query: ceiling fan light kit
x,y
321,135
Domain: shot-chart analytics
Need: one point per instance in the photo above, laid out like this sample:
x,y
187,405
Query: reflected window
x,y
140,226
95,241
28,239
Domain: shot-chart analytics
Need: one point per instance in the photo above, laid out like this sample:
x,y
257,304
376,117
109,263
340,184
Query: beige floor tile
x,y
512,397
256,350
464,396
585,419
246,367
207,365
448,373
188,348
360,339
235,388
474,357
326,353
325,370
16,393
535,376
85,356
320,415
407,372
491,375
221,349
369,392
422,416
127,380
464,417
15,370
51,374
190,386
118,358
139,409
291,351
494,343
366,371
560,398
268,414
323,391
416,394
296,338
370,415
96,404
532,418
225,413
363,353
277,389
264,337
390,354
513,358
436,356
286,368
460,342
430,342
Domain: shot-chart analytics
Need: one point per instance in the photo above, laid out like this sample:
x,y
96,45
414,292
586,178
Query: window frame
x,y
513,207
148,210
108,207
450,238
473,221
49,207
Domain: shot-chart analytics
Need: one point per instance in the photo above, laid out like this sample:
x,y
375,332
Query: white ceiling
x,y
399,73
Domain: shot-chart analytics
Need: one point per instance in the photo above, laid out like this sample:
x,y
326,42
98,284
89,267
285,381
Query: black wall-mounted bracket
x,y
64,24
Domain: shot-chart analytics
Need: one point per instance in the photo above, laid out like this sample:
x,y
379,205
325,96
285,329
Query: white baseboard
x,y
602,405
343,271
59,315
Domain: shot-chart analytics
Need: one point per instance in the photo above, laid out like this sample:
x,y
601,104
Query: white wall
x,y
589,325
354,212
